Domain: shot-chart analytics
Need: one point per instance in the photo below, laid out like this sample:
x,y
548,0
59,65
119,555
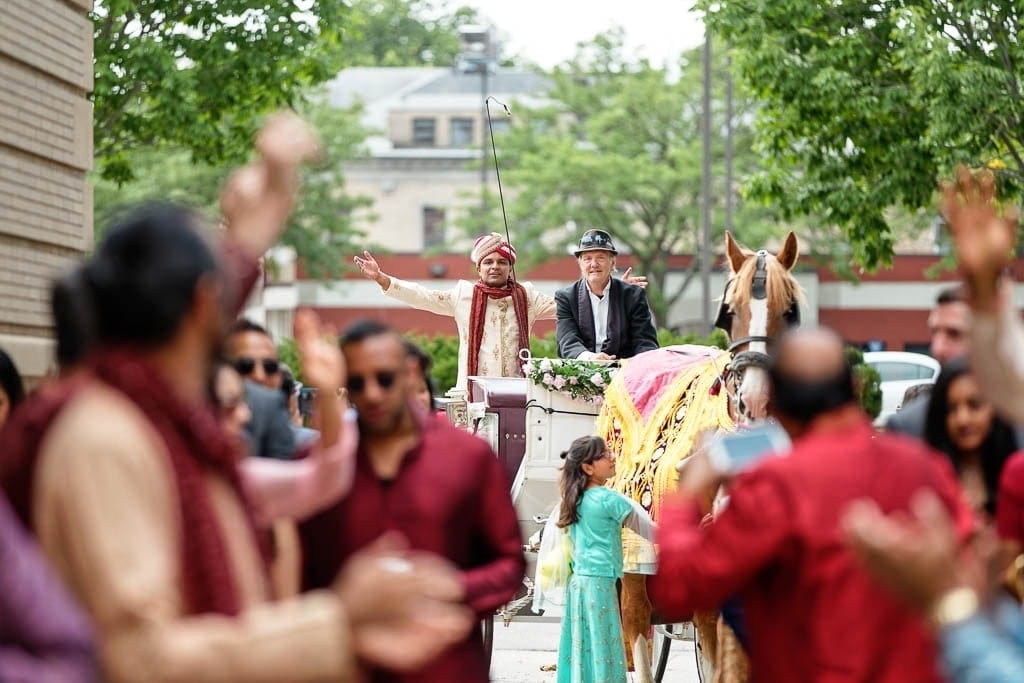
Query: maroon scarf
x,y
478,312
194,442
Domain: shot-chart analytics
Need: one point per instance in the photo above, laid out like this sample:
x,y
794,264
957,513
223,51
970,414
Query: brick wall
x,y
45,152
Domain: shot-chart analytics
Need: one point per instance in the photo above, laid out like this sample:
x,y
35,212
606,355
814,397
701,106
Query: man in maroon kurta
x,y
441,488
813,613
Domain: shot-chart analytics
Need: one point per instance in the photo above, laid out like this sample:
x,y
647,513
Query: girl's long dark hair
x,y
998,446
573,483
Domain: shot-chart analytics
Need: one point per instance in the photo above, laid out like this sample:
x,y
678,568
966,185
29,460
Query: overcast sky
x,y
546,31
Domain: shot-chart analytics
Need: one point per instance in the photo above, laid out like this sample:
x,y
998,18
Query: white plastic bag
x,y
554,564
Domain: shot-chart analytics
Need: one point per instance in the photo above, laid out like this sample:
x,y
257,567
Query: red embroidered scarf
x,y
194,441
478,313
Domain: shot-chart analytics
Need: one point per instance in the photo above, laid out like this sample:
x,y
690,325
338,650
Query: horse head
x,y
761,300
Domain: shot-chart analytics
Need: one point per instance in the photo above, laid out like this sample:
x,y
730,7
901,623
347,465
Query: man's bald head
x,y
810,375
810,354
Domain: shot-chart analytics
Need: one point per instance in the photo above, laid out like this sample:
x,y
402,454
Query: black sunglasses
x,y
385,380
245,366
596,238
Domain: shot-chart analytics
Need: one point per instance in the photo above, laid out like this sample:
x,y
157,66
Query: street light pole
x,y
705,246
477,55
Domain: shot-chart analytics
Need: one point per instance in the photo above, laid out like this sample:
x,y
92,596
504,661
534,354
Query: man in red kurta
x,y
813,613
442,489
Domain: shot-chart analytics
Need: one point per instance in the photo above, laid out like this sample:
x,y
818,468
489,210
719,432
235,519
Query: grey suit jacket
x,y
910,419
270,433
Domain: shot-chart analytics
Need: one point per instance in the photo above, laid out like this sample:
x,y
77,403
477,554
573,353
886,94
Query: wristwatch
x,y
955,606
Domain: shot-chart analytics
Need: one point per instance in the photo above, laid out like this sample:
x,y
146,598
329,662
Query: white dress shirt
x,y
599,307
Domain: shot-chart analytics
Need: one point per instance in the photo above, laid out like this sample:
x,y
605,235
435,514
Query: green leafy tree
x,y
865,105
322,228
443,350
199,75
178,137
867,380
288,352
405,32
619,148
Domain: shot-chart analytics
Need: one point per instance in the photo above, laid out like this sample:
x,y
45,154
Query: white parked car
x,y
900,370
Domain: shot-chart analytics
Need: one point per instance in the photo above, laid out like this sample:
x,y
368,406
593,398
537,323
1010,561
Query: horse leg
x,y
731,665
706,625
636,614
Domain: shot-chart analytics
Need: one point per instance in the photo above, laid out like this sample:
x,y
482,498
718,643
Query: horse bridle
x,y
759,292
741,361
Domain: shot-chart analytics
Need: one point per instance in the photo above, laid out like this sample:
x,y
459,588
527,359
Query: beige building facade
x,y
427,131
45,151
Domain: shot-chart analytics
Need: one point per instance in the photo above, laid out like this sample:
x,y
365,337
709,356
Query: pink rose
x,y
559,382
574,380
548,379
597,380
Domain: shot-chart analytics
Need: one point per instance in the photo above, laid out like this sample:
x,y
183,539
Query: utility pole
x,y
705,219
729,195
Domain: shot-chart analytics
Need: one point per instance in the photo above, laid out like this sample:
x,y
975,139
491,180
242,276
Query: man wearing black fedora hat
x,y
601,317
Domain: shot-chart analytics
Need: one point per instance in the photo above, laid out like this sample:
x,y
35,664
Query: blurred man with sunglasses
x,y
494,315
253,354
441,488
599,317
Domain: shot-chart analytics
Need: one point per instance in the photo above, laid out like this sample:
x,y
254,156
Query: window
x,y
423,132
461,133
433,226
895,372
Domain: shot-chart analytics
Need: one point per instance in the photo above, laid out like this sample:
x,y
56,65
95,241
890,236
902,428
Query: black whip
x,y
497,171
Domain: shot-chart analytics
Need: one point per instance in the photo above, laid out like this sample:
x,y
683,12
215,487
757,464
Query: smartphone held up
x,y
741,450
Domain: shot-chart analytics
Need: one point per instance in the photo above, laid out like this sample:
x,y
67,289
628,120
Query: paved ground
x,y
524,647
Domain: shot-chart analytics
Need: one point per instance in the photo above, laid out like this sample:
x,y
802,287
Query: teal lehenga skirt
x,y
591,649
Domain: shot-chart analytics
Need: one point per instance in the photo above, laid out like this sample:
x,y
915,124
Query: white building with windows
x,y
424,156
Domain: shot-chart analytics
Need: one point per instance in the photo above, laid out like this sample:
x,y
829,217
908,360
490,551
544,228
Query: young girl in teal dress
x,y
591,648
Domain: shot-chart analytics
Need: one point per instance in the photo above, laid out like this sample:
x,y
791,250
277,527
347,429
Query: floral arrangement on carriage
x,y
579,379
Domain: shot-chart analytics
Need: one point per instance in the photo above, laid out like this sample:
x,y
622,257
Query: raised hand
x,y
639,280
983,238
404,609
286,141
257,198
367,265
323,365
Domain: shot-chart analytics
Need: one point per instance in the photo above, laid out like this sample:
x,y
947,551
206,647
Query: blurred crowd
x,y
178,507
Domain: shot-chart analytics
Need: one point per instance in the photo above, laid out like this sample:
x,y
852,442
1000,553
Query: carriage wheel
x,y
662,644
487,628
705,668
